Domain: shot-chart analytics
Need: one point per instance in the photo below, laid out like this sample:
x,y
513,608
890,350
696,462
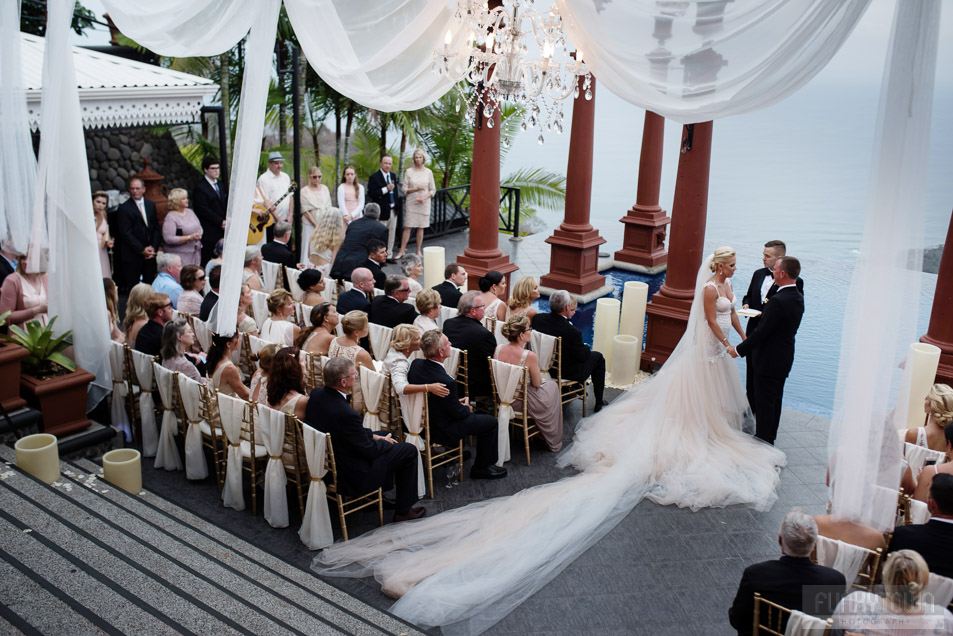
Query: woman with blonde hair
x,y
428,306
405,342
181,230
420,189
525,291
719,300
327,237
277,328
938,406
354,325
350,196
136,311
315,199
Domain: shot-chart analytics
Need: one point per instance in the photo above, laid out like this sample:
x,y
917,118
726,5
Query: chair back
x,y
545,347
858,564
259,306
270,275
203,333
462,374
917,456
446,313
777,620
452,364
509,386
255,344
306,314
374,388
292,275
380,338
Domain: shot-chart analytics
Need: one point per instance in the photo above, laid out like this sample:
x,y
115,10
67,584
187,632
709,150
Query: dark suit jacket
x,y
353,251
149,339
774,337
449,294
210,208
753,296
207,303
783,582
134,235
467,333
932,540
355,448
390,312
575,351
375,194
446,413
353,300
5,269
275,252
377,271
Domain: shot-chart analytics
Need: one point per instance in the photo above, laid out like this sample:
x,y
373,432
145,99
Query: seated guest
x,y
24,295
493,289
258,385
112,309
317,338
929,472
286,384
784,581
167,280
11,257
449,290
159,310
390,309
358,298
578,361
428,305
136,311
312,284
413,269
251,274
353,251
376,257
903,609
192,279
939,412
451,417
177,339
466,331
525,291
277,250
365,461
544,401
246,322
932,540
223,375
354,326
211,298
276,327
405,342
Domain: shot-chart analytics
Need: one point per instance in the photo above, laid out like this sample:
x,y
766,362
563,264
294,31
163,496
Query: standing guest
x,y
413,269
579,362
139,237
210,199
277,250
932,540
274,184
251,274
358,298
136,315
420,190
159,310
354,326
449,289
390,309
100,201
382,190
167,280
211,298
525,291
181,230
246,322
428,305
276,327
312,284
466,331
353,251
177,341
192,279
112,309
24,295
493,288
315,199
376,257
350,196
216,259
317,338
327,238
223,375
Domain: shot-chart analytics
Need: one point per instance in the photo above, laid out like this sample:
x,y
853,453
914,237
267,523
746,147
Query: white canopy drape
x,y
17,166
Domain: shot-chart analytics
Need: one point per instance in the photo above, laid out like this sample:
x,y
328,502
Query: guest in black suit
x,y
353,251
761,288
382,189
773,342
139,238
390,309
376,257
785,581
359,296
365,461
452,418
211,298
159,310
277,250
579,362
466,332
449,289
210,202
933,538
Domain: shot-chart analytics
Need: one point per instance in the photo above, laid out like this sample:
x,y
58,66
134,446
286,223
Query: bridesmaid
x,y
100,201
350,196
181,230
315,199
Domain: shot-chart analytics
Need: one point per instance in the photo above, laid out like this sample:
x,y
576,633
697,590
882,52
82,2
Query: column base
x,y
478,263
574,262
667,319
944,372
643,243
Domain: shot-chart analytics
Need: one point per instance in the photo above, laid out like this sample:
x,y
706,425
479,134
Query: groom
x,y
773,341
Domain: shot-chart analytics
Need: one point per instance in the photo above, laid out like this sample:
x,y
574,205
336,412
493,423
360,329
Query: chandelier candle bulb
x,y
919,373
433,266
606,327
626,351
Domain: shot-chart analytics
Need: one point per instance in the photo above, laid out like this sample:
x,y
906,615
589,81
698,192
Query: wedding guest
x,y
210,201
403,345
315,199
354,324
353,251
278,250
223,375
159,310
112,309
251,274
420,190
543,399
938,406
449,289
466,331
192,279
493,288
181,229
376,257
276,327
428,306
413,269
24,295
216,259
932,540
214,277
383,190
312,284
358,298
390,309
106,242
350,196
317,338
925,478
274,184
136,311
327,238
177,340
286,389
525,291
139,237
259,379
246,322
9,259
167,280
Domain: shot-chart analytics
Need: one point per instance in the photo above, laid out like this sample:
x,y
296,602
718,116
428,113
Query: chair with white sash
x,y
549,351
415,415
315,529
509,387
270,276
291,275
204,431
446,313
121,389
279,435
238,424
941,589
380,338
203,333
917,456
142,365
167,455
259,306
346,504
777,620
374,388
858,564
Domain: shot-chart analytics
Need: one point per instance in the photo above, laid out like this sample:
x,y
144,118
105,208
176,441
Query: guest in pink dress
x,y
24,295
181,230
351,196
100,201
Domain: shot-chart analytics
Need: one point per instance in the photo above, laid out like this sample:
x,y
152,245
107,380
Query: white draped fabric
x,y
452,364
196,467
801,624
117,410
917,456
328,292
544,346
844,557
259,306
445,314
270,275
919,511
507,378
232,412
271,423
306,315
296,292
167,455
372,388
202,333
256,344
147,410
315,529
380,337
412,412
941,589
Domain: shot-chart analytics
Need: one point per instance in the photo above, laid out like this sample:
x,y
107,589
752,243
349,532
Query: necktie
x,y
387,180
142,210
217,190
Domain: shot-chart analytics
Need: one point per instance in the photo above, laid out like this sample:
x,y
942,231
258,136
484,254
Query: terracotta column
x,y
574,255
940,331
643,245
669,308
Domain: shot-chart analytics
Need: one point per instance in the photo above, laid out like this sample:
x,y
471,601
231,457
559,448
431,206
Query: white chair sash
x,y
507,378
843,557
167,455
919,511
372,387
292,275
147,410
544,346
801,624
202,333
328,292
256,344
380,337
941,589
917,456
378,292
269,275
884,508
445,314
412,412
259,305
117,410
232,412
196,467
306,314
272,425
498,333
452,364
315,529
348,286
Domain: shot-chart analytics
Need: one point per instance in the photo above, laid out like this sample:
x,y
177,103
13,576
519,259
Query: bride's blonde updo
x,y
941,404
720,256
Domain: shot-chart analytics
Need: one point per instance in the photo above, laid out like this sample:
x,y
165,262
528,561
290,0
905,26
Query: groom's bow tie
x,y
769,273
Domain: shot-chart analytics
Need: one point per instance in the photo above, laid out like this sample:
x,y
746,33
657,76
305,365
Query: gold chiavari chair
x,y
521,420
570,389
348,505
294,459
213,437
869,569
436,455
771,618
132,400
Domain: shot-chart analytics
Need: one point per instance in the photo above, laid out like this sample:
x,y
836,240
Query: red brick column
x,y
940,331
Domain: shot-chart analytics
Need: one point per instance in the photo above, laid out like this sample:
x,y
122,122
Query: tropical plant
x,y
45,351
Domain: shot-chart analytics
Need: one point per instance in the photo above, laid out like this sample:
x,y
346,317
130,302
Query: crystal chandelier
x,y
490,53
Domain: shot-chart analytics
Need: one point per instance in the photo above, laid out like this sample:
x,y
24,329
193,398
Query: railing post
x,y
515,194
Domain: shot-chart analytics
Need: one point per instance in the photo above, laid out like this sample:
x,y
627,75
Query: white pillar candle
x,y
626,352
433,266
635,295
606,327
39,455
919,373
122,468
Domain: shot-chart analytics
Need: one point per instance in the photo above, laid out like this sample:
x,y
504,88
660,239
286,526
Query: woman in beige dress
x,y
317,338
136,311
354,325
315,198
106,242
224,376
277,327
420,189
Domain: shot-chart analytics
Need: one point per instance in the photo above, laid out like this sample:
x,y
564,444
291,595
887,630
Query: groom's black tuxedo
x,y
772,343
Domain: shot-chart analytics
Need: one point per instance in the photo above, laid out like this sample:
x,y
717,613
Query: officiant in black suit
x,y
210,202
390,309
772,343
383,189
138,239
353,251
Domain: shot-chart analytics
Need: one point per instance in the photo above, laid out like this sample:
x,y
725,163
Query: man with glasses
x,y
210,200
467,332
159,310
138,238
391,309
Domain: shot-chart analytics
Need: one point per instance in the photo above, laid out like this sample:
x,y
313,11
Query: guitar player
x,y
273,183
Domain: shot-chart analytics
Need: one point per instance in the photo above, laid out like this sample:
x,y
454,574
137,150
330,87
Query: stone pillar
x,y
643,245
669,308
940,331
574,255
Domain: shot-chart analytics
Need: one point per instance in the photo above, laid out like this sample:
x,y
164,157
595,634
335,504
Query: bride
x,y
676,439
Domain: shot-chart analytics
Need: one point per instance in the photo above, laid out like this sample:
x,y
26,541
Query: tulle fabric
x,y
676,439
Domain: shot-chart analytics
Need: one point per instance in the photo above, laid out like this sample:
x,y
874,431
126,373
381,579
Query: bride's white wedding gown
x,y
676,439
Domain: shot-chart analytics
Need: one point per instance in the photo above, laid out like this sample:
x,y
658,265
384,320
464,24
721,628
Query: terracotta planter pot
x,y
10,356
62,401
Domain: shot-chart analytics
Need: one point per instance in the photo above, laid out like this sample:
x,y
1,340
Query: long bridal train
x,y
676,439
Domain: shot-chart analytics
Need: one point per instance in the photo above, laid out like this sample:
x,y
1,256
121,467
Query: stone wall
x,y
115,154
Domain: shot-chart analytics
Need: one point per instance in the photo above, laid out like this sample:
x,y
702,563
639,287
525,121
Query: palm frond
x,y
538,188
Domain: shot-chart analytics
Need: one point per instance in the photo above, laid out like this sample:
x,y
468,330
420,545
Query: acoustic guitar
x,y
262,218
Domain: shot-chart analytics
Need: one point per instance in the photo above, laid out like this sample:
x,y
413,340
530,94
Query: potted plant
x,y
50,381
10,356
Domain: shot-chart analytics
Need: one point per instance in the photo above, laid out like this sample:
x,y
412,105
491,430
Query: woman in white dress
x,y
676,439
428,306
276,327
315,198
350,196
493,288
